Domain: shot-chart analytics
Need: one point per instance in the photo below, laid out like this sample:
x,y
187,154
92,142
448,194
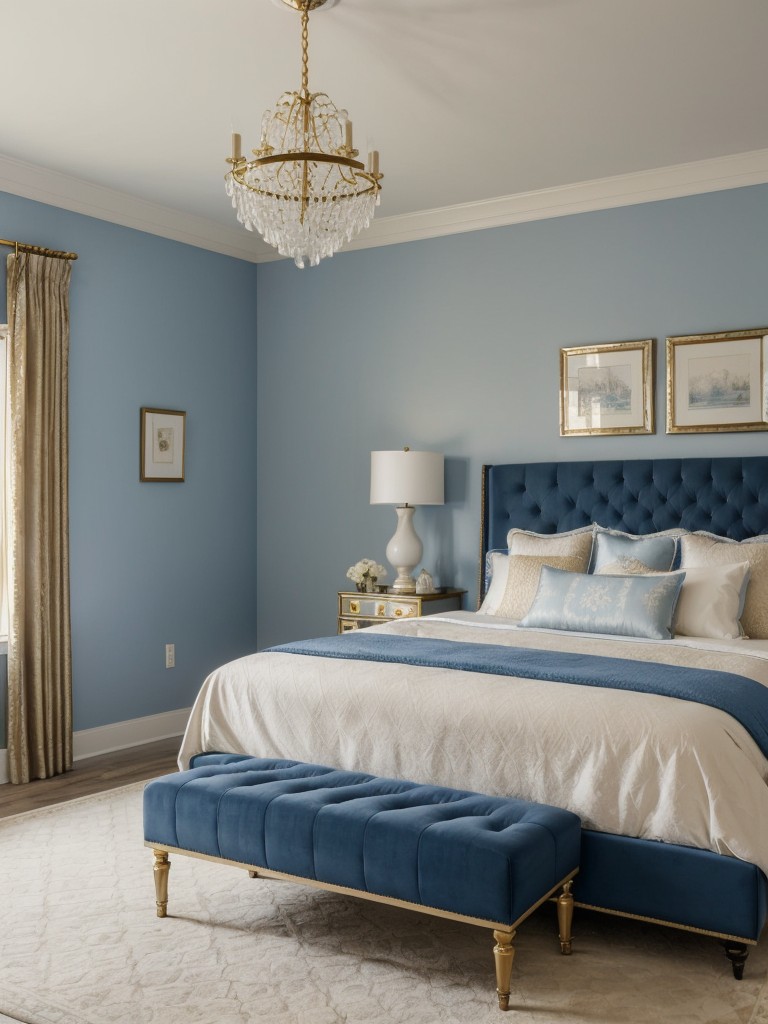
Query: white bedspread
x,y
630,763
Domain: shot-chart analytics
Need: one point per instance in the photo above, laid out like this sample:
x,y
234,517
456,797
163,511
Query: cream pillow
x,y
523,580
711,601
700,550
575,543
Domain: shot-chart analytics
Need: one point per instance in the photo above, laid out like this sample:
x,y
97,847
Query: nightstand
x,y
359,610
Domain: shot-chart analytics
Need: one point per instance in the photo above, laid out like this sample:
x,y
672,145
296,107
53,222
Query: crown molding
x,y
713,175
69,193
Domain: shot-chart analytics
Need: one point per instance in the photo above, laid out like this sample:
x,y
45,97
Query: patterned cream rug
x,y
80,944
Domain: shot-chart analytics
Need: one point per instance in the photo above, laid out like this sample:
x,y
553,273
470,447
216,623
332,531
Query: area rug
x,y
80,944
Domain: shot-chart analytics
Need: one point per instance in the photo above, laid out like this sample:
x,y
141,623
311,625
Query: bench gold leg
x,y
504,954
565,918
161,869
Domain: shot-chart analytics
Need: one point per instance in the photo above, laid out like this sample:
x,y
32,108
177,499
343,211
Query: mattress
x,y
629,763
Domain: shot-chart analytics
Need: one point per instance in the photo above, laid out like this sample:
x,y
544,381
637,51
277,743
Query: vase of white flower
x,y
365,574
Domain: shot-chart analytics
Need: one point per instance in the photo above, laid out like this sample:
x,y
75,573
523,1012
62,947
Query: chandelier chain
x,y
305,48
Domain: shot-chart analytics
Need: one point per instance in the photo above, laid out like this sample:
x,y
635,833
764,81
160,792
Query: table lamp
x,y
405,479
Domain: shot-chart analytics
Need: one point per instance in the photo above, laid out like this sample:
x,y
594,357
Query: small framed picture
x,y
162,445
607,389
716,382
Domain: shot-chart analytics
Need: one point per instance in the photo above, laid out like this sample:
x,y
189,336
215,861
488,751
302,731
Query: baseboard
x,y
119,735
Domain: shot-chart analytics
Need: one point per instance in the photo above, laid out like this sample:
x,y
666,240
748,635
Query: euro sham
x,y
574,543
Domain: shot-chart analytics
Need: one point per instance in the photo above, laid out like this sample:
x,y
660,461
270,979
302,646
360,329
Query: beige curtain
x,y
39,651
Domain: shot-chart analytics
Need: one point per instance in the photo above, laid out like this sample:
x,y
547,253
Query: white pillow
x,y
499,562
699,550
711,601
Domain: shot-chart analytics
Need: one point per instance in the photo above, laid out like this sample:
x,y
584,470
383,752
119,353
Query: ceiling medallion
x,y
299,5
304,191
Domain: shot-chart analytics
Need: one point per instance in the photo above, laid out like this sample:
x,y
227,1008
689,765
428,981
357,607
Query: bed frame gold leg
x,y
161,869
503,954
565,918
253,874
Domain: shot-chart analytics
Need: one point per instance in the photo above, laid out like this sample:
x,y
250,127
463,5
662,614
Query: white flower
x,y
365,567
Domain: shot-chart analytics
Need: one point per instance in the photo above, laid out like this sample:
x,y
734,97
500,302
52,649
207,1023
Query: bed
x,y
672,793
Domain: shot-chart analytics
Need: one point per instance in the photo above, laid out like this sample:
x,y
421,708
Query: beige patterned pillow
x,y
576,543
698,550
523,580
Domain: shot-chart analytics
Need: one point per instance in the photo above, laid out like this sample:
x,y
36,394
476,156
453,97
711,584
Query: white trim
x,y
106,738
632,189
68,193
712,175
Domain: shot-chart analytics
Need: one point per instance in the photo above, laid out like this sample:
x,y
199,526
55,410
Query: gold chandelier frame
x,y
363,181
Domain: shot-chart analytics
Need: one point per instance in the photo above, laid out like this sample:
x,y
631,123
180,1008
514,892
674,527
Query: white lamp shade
x,y
407,478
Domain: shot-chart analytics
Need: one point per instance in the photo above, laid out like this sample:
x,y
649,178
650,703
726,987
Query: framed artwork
x,y
607,389
161,445
716,382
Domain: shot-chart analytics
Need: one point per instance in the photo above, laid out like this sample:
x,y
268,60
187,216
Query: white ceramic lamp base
x,y
404,551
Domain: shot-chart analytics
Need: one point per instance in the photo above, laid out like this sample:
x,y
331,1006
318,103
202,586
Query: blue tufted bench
x,y
488,861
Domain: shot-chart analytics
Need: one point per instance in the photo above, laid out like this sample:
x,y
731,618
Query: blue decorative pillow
x,y
625,605
615,553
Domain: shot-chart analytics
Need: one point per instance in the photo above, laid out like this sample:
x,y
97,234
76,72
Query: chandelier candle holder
x,y
304,191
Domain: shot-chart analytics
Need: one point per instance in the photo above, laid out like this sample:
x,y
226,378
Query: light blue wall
x,y
452,345
154,323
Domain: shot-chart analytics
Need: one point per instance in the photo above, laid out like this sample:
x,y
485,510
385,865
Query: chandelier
x,y
304,190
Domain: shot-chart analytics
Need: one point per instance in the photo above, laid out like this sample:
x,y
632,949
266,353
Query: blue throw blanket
x,y
742,698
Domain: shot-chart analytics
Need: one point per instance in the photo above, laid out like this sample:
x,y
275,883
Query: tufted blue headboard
x,y
727,496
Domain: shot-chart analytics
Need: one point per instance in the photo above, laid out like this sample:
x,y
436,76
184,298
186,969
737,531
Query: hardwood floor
x,y
93,775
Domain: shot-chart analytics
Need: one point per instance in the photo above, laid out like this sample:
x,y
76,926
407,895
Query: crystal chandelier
x,y
304,191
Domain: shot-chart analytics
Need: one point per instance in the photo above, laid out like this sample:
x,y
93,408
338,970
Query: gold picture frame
x,y
716,383
161,445
607,388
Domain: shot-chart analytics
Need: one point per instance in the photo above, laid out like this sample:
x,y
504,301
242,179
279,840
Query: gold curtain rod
x,y
38,250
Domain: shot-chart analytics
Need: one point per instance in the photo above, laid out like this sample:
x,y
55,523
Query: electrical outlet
x,y
170,655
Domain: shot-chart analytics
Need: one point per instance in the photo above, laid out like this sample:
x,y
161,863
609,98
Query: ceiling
x,y
468,101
